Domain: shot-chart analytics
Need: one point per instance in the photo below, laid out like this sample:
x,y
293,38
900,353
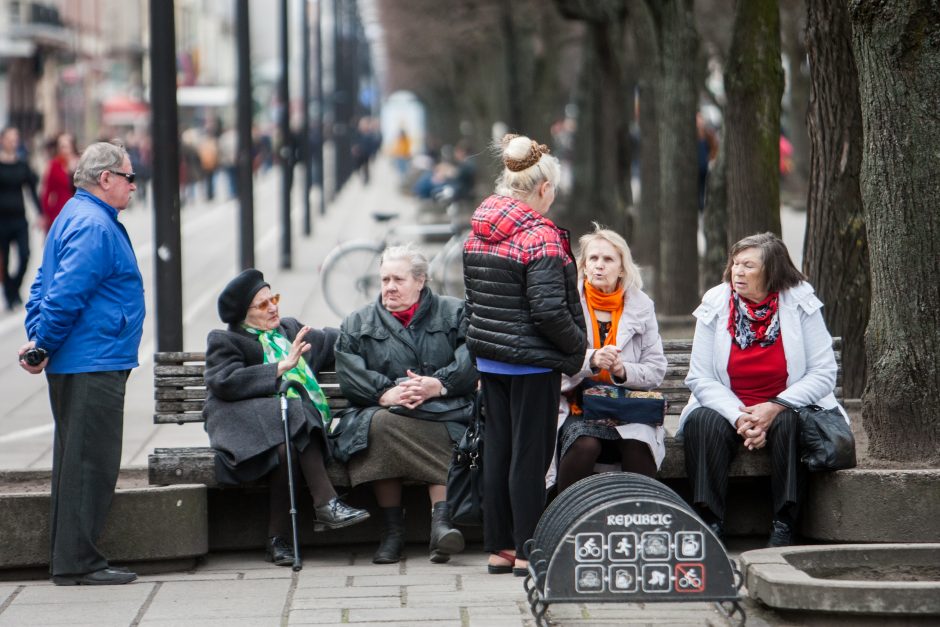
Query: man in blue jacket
x,y
84,319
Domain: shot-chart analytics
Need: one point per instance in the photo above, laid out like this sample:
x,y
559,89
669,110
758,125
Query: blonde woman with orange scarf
x,y
624,348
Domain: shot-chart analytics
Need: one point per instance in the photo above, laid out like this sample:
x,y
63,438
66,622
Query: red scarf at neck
x,y
404,316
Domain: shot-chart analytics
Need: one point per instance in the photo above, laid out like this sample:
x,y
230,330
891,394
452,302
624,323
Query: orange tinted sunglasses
x,y
275,299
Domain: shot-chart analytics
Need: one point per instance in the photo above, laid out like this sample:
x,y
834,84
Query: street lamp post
x,y
305,129
245,184
168,273
287,157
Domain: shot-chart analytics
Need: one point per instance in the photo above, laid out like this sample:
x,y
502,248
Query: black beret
x,y
238,294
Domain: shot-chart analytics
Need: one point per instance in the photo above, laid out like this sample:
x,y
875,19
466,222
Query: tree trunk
x,y
645,245
898,56
601,189
835,252
677,292
793,19
754,81
715,221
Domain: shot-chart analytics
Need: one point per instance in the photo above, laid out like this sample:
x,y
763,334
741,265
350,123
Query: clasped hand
x,y
608,358
412,392
754,423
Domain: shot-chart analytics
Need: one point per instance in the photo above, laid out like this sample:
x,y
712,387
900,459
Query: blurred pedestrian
x,y
57,186
15,174
401,153
86,313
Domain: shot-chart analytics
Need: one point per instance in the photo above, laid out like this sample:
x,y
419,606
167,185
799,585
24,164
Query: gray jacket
x,y
242,412
374,350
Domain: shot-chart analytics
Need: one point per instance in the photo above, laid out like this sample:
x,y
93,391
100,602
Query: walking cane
x,y
299,388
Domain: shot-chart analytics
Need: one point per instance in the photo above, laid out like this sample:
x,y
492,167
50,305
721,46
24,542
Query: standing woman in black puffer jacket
x,y
526,327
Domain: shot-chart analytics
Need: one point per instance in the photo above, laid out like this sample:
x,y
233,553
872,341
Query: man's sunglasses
x,y
130,176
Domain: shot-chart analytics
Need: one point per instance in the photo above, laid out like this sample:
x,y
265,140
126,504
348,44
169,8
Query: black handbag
x,y
465,477
826,440
602,401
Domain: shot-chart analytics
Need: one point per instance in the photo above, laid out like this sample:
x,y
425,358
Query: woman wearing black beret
x,y
245,365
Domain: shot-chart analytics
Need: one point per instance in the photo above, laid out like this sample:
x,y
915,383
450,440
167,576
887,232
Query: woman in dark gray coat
x,y
403,365
245,365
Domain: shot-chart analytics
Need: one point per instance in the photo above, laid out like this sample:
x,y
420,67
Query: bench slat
x,y
177,418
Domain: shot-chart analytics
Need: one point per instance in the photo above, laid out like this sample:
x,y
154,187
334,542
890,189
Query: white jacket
x,y
641,352
807,346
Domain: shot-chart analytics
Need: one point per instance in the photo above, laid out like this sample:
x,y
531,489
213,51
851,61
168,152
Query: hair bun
x,y
529,159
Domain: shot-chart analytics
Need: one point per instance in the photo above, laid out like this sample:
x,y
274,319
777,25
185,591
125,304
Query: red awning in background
x,y
124,111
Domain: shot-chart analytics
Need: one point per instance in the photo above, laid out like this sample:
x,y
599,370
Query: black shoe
x,y
445,540
279,551
781,534
393,536
103,577
335,514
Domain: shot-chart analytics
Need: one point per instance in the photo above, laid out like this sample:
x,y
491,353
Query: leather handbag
x,y
465,477
826,440
601,401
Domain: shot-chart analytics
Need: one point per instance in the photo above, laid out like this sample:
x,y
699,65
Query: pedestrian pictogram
x,y
622,547
690,578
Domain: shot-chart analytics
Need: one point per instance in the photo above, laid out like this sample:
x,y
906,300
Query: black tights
x,y
579,459
314,473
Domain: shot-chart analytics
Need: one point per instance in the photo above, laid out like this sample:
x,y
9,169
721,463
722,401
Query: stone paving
x,y
337,586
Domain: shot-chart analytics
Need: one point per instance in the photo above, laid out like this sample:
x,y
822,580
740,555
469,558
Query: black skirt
x,y
260,465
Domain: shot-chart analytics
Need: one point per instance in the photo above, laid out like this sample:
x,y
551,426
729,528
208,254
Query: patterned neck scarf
x,y
276,348
749,323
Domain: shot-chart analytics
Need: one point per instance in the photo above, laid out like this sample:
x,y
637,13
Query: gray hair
x,y
97,158
522,184
417,260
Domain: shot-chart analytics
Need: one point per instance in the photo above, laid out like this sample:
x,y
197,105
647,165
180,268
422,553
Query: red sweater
x,y
758,373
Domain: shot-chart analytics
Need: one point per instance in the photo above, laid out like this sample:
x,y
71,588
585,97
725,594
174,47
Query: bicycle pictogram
x,y
690,578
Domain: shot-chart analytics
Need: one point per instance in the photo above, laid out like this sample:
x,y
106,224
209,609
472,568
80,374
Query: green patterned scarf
x,y
276,348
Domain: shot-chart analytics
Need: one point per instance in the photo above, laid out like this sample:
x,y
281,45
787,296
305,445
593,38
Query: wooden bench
x,y
180,392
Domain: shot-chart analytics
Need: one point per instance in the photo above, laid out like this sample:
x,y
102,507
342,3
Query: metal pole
x,y
287,158
305,132
321,106
245,182
168,275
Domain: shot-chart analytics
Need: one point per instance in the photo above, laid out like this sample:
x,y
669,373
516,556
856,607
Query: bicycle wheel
x,y
452,272
349,278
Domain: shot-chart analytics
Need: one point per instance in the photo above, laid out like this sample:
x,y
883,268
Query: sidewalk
x,y
337,586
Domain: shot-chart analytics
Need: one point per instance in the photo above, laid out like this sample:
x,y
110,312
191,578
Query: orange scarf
x,y
599,301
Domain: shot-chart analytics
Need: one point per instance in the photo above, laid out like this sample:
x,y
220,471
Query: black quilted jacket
x,y
522,295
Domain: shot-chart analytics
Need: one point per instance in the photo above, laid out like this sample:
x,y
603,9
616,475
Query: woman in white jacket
x,y
624,348
760,335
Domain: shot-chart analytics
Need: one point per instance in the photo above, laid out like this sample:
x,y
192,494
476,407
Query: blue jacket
x,y
86,306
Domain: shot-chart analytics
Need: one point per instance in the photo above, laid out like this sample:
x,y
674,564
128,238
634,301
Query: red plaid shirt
x,y
509,228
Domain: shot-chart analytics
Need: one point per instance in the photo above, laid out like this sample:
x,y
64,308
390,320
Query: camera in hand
x,y
35,356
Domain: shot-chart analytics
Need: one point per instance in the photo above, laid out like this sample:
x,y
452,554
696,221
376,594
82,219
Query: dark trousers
x,y
710,445
89,419
519,441
13,231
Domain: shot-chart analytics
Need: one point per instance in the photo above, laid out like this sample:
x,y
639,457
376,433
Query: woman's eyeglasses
x,y
130,176
267,302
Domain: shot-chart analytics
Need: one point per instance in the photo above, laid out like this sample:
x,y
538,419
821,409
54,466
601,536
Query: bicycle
x,y
349,276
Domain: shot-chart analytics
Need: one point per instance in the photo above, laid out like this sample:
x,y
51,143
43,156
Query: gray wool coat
x,y
242,411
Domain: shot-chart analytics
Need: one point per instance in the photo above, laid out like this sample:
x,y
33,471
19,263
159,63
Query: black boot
x,y
445,540
393,531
